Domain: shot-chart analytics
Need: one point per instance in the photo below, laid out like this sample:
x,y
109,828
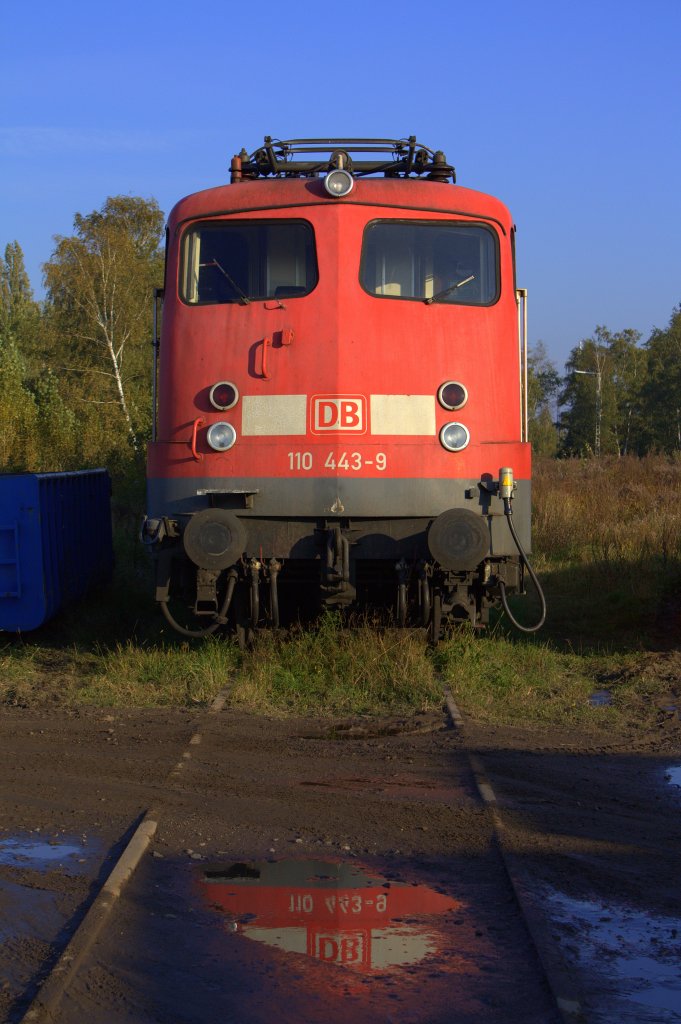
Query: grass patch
x,y
160,675
335,670
503,681
500,680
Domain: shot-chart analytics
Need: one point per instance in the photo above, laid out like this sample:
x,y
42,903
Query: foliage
x,y
543,383
99,282
661,390
621,398
601,395
18,410
19,314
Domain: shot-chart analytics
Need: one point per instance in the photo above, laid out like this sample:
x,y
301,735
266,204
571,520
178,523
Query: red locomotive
x,y
341,373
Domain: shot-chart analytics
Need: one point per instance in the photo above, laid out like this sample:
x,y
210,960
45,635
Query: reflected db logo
x,y
347,947
346,413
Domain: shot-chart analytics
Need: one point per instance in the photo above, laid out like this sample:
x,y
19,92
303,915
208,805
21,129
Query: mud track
x,y
400,807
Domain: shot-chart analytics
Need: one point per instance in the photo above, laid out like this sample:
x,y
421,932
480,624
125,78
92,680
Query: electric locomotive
x,y
340,414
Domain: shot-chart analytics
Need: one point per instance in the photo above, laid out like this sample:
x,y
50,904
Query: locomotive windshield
x,y
237,261
432,261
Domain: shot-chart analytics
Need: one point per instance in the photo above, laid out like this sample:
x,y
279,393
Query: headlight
x,y
221,436
452,395
454,437
339,183
224,395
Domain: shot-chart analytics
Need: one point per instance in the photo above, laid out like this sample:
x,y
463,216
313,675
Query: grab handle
x,y
266,342
198,422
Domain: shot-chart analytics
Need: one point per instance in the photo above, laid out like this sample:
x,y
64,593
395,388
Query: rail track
x,y
422,788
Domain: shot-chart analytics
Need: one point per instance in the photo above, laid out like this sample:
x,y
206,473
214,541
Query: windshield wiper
x,y
452,288
243,298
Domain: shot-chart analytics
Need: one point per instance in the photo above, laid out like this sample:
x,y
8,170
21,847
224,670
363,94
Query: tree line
x,y
618,395
75,367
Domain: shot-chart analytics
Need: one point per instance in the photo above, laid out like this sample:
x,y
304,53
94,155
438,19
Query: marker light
x,y
506,483
224,395
452,395
454,437
339,183
221,436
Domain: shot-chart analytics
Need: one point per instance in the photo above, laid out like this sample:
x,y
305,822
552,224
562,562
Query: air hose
x,y
220,619
508,511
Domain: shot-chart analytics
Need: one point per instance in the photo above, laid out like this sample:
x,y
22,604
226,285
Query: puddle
x,y
29,920
673,775
600,699
41,883
334,913
325,942
627,961
45,852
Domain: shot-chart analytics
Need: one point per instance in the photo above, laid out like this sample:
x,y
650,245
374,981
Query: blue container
x,y
55,542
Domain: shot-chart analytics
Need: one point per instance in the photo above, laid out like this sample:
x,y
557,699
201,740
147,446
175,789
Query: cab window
x,y
236,261
452,263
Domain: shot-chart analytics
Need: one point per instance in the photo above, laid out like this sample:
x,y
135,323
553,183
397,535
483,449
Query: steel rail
x,y
558,978
45,1003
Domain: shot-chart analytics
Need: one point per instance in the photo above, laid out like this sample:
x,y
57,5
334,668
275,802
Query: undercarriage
x,y
257,592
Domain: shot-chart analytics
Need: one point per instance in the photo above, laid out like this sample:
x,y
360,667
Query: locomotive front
x,y
340,377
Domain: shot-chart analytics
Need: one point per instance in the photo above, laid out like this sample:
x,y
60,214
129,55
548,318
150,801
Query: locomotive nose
x,y
459,539
214,538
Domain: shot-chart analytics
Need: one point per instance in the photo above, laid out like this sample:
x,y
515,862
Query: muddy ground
x,y
589,823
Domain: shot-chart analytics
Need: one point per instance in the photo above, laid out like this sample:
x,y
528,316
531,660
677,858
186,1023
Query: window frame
x,y
412,222
195,226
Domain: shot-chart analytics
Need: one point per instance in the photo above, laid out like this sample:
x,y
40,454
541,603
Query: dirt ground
x,y
586,820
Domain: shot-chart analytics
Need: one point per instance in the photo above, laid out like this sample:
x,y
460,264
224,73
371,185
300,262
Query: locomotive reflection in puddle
x,y
335,913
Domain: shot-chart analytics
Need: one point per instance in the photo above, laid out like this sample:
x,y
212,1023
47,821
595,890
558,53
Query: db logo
x,y
339,412
349,948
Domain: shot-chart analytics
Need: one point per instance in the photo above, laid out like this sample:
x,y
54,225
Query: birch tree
x,y
99,286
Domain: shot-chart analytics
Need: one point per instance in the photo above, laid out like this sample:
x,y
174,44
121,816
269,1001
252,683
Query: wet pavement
x,y
628,962
320,941
333,912
297,878
73,781
43,879
40,852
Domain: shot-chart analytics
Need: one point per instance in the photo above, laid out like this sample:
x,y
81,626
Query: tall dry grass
x,y
624,511
607,545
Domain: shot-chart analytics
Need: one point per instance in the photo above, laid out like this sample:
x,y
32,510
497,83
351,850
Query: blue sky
x,y
571,114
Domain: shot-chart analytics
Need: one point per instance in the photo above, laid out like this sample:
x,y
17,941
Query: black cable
x,y
502,586
219,621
